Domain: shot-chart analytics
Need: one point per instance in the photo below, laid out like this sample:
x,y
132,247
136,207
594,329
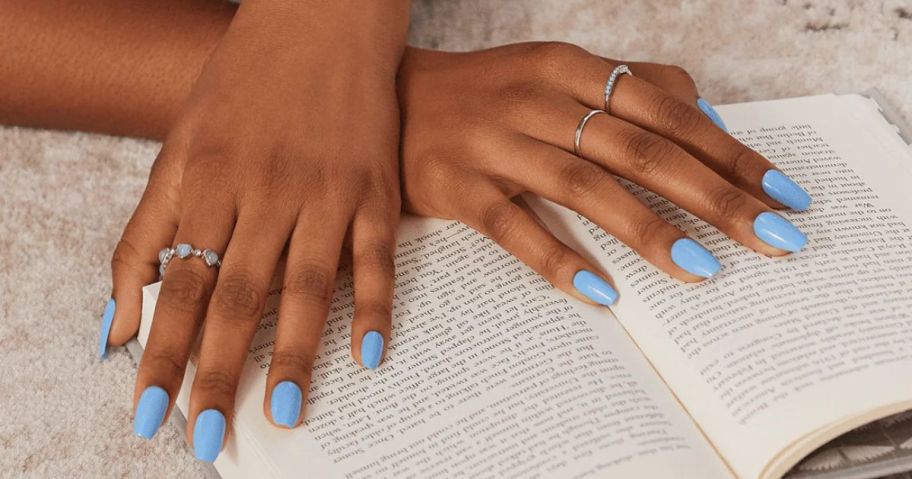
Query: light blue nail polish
x,y
371,349
208,434
150,412
107,318
782,189
779,232
285,404
595,288
711,112
694,258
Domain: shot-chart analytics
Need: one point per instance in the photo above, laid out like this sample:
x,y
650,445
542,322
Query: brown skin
x,y
268,143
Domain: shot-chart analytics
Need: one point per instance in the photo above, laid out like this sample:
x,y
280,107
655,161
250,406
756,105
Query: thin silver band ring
x,y
612,79
579,130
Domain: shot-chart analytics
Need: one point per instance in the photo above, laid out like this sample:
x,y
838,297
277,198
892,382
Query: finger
x,y
231,321
178,314
310,274
651,108
134,265
588,189
662,166
373,247
491,212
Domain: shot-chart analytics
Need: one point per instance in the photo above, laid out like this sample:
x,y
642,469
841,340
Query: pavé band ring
x,y
184,251
612,79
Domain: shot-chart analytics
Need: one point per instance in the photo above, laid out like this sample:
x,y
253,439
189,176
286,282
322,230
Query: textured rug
x,y
64,197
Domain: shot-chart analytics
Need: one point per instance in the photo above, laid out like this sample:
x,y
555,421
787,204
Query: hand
x,y
480,128
279,143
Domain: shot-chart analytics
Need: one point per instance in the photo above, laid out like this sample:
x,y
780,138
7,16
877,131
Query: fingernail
x,y
150,412
208,434
782,189
285,404
107,318
694,258
779,232
595,288
711,112
371,349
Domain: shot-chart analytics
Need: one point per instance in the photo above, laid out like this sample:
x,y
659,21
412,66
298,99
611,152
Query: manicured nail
x,y
208,434
779,232
371,349
285,404
694,258
107,318
150,412
711,112
782,189
595,288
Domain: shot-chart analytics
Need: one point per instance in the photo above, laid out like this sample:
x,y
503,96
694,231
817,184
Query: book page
x,y
490,372
774,349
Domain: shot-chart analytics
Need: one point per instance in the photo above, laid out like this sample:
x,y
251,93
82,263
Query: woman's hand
x,y
289,137
480,128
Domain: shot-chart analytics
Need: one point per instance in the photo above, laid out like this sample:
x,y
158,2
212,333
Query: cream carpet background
x,y
64,197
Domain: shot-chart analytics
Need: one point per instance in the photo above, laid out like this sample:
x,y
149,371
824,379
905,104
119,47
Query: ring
x,y
612,79
579,130
184,251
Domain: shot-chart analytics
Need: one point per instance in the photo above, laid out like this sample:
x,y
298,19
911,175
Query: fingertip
x,y
371,349
285,404
595,288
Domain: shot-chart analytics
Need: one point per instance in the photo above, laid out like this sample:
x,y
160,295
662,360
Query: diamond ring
x,y
612,79
184,251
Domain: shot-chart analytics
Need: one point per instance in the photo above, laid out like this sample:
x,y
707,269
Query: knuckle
x,y
292,360
216,383
646,230
184,289
558,54
125,253
677,74
311,282
165,362
553,259
739,163
645,152
581,178
497,218
728,203
674,116
374,309
377,254
237,297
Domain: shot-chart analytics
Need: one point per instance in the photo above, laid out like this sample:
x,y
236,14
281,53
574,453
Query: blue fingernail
x,y
371,349
694,258
595,288
285,404
107,318
779,232
711,112
208,434
150,412
782,189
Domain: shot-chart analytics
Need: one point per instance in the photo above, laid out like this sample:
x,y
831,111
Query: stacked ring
x,y
612,79
184,251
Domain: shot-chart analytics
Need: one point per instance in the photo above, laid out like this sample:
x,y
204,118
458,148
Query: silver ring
x,y
579,130
612,79
184,251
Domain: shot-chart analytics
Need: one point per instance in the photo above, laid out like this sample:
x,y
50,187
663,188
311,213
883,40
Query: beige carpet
x,y
65,197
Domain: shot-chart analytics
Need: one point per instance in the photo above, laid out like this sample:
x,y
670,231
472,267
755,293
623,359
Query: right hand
x,y
481,128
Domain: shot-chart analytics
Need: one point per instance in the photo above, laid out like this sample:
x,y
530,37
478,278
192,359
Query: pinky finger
x,y
514,229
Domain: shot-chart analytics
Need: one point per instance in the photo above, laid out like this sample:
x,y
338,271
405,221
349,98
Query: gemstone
x,y
183,250
210,257
161,270
165,255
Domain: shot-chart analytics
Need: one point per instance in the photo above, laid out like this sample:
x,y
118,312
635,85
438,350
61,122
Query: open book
x,y
491,372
